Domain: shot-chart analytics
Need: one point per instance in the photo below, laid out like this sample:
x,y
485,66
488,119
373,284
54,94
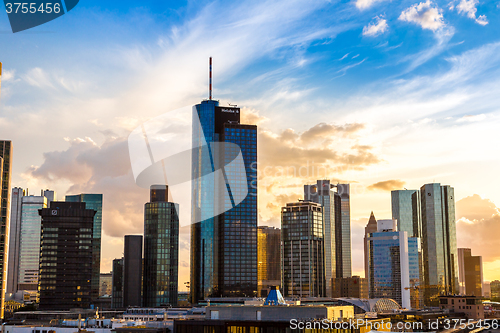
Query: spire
x,y
210,79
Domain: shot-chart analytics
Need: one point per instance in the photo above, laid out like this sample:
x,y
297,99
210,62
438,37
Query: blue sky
x,y
394,93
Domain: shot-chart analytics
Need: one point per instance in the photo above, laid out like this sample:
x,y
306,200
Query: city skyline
x,y
381,98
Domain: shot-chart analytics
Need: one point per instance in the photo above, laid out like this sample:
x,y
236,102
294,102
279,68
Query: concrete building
x,y
303,250
268,259
354,286
470,273
14,237
472,306
371,226
105,284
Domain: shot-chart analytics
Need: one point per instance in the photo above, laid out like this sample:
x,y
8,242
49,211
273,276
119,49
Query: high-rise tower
x,y
224,203
93,201
6,170
161,249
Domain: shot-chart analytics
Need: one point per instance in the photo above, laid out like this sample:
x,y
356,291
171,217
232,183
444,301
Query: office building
x,y
406,211
486,290
392,263
66,256
302,255
269,262
470,273
161,249
224,204
370,227
439,245
322,192
93,201
105,284
132,271
351,287
117,284
14,238
6,170
495,291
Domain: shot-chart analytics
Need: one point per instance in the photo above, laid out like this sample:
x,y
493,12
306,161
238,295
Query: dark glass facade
x,y
161,250
66,256
302,255
439,245
117,284
93,201
132,268
6,171
224,229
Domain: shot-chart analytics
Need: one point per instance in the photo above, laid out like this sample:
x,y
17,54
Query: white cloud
x,y
425,15
364,4
8,75
468,7
375,28
472,118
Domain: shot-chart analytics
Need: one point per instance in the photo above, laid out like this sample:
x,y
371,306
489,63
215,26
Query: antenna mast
x,y
210,80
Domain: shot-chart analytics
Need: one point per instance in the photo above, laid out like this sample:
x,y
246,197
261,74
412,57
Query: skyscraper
x,y
302,255
406,210
322,193
470,273
132,270
93,201
6,155
14,237
343,231
439,245
269,261
66,256
370,227
161,249
224,229
392,264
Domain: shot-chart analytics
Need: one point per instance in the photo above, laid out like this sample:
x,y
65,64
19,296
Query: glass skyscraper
x,y
323,194
406,210
269,259
302,255
224,228
93,201
161,249
343,231
439,244
14,237
6,171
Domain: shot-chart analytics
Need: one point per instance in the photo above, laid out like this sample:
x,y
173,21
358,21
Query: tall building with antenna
x,y
224,202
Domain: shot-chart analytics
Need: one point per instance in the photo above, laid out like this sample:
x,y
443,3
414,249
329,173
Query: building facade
x,y
105,284
93,201
495,291
470,273
14,237
393,261
406,211
161,249
302,255
6,171
343,231
322,192
132,268
353,287
269,261
371,226
224,204
66,256
439,244
472,306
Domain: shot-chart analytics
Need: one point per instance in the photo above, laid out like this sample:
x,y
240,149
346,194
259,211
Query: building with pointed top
x,y
370,227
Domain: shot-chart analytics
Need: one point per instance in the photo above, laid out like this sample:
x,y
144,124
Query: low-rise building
x,y
472,306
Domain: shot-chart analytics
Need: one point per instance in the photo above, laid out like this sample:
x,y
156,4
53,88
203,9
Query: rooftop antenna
x,y
210,80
